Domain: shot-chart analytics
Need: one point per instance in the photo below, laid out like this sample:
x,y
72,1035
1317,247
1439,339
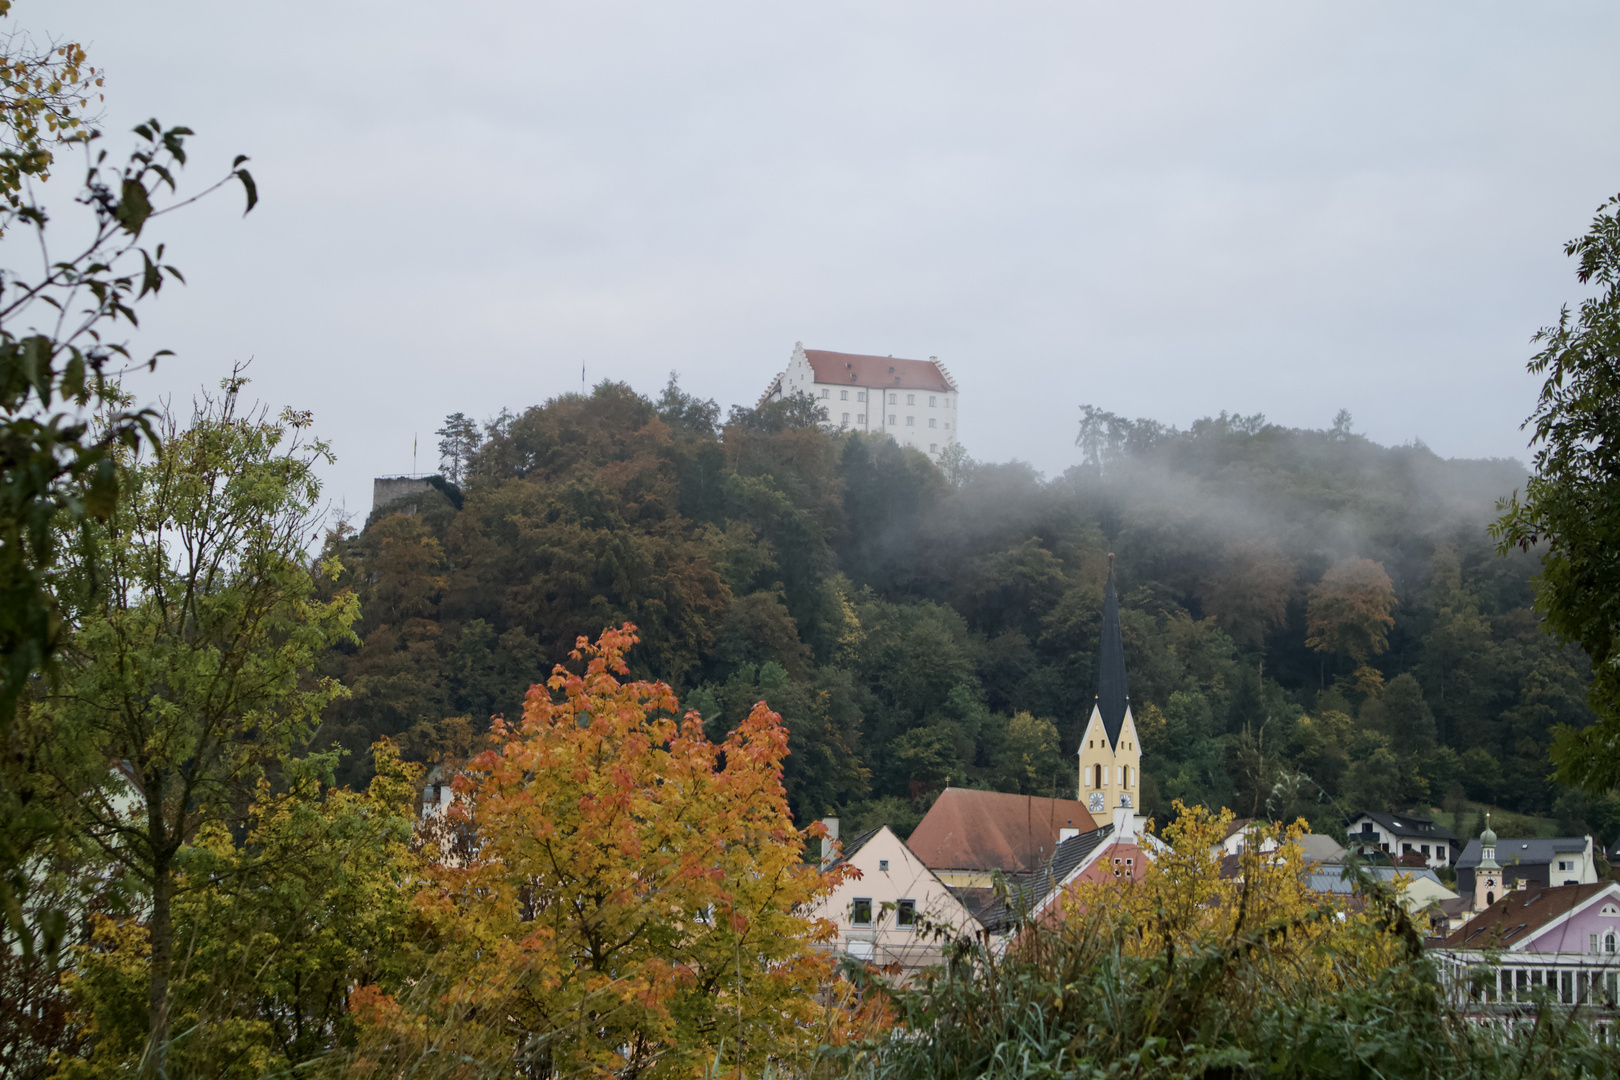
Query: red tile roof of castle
x,y
853,369
967,829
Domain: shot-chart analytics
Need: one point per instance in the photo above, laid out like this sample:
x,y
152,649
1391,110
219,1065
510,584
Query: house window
x,y
860,912
860,395
891,415
911,399
1610,910
843,395
883,866
930,401
892,398
1425,849
844,418
1591,944
911,421
1565,865
932,422
905,913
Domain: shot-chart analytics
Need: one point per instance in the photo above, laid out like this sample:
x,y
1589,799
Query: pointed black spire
x,y
1112,694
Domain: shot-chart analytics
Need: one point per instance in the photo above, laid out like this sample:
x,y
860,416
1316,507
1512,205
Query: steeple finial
x,y
1113,695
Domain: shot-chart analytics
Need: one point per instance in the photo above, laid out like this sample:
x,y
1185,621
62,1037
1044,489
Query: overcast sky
x,y
1163,209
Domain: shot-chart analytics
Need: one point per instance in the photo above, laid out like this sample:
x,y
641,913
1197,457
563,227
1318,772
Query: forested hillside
x,y
1314,623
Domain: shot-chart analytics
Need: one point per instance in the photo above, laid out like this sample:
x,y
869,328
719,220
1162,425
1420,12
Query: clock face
x,y
1125,801
1095,803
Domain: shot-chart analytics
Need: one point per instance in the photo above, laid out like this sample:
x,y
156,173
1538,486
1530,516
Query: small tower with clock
x,y
1110,757
1488,883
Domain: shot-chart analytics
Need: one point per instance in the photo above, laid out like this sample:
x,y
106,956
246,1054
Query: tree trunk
x,y
160,931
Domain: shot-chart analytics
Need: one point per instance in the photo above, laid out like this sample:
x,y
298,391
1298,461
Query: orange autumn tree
x,y
1348,612
636,904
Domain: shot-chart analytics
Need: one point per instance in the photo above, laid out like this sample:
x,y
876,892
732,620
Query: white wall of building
x,y
892,876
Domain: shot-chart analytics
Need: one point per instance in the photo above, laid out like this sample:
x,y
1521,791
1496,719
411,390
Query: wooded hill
x,y
1314,623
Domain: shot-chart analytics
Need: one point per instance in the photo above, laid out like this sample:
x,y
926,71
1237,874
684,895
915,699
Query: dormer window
x,y
1610,910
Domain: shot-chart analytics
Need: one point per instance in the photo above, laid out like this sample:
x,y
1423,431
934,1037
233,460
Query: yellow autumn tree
x,y
1295,940
634,904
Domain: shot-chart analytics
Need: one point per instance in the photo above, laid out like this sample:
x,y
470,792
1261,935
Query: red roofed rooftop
x,y
854,369
967,829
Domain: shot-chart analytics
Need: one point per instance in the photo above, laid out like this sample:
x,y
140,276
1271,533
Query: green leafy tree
x,y
60,351
189,676
1570,509
278,917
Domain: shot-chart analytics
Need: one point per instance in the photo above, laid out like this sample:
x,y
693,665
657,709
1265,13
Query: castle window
x,y
843,395
825,392
892,398
845,417
911,399
911,421
860,395
891,415
860,418
933,448
932,422
930,401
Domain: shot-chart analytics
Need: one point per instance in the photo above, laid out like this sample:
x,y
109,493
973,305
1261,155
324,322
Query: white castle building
x,y
915,401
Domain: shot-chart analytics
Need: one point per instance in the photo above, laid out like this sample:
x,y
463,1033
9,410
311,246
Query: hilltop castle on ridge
x,y
914,401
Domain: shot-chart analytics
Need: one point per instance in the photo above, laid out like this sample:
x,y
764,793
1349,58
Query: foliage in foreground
x,y
1571,506
632,902
1187,975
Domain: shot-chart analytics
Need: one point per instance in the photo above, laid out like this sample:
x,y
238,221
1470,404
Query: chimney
x,y
829,842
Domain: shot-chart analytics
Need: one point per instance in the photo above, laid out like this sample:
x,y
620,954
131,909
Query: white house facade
x,y
915,402
896,911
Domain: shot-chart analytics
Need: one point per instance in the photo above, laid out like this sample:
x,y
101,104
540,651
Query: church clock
x,y
1095,802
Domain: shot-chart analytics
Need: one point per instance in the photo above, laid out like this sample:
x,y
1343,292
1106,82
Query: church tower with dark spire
x,y
1110,757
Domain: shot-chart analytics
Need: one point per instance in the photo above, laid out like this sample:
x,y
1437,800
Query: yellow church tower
x,y
1110,757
